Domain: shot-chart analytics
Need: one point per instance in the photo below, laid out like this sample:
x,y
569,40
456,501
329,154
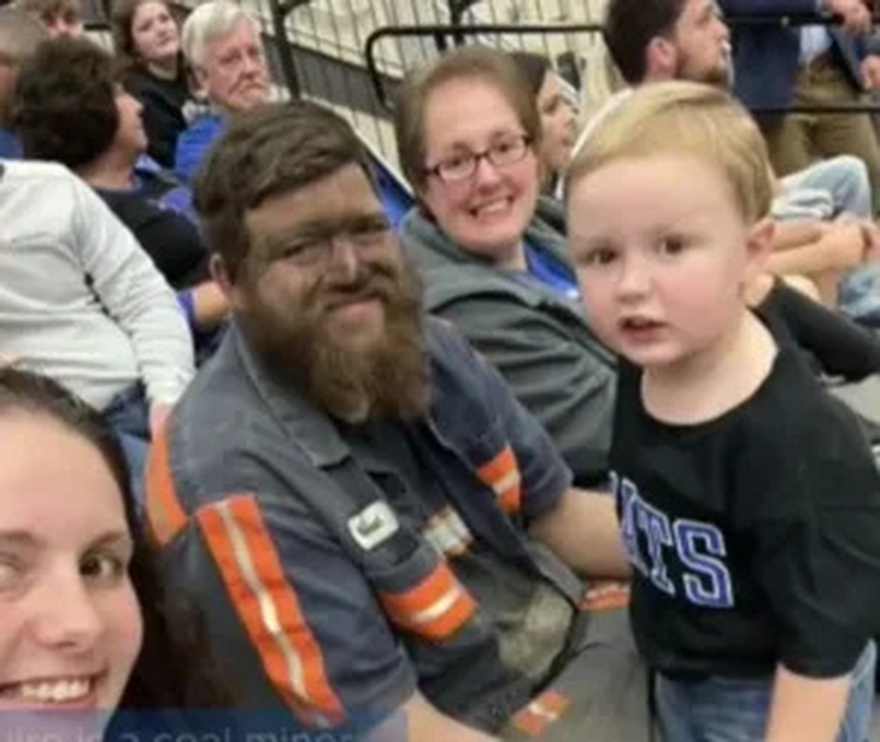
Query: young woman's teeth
x,y
57,691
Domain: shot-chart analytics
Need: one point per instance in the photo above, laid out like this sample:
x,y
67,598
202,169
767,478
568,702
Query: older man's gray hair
x,y
208,22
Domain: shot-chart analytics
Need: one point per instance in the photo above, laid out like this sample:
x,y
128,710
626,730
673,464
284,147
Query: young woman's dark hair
x,y
122,23
534,69
172,670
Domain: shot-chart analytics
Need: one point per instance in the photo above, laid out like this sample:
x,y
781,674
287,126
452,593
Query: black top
x,y
167,235
163,102
836,344
754,537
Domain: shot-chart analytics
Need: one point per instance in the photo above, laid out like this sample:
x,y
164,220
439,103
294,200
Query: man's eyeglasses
x,y
320,250
503,153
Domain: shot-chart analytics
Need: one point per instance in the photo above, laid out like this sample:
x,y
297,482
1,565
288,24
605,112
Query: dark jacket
x,y
537,339
163,102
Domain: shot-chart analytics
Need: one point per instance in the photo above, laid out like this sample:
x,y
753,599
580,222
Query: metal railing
x,y
444,36
350,54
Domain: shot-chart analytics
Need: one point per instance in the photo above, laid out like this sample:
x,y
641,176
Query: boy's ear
x,y
660,59
759,245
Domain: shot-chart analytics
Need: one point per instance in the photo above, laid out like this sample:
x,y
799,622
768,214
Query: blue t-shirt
x,y
546,268
194,142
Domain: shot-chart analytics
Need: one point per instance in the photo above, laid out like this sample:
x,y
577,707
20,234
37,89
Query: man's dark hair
x,y
267,152
629,27
64,106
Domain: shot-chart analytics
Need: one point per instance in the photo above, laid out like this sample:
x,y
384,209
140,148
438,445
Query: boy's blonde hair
x,y
685,118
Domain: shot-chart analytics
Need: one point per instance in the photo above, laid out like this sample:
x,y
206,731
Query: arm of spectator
x,y
806,709
568,384
839,345
133,292
422,722
840,247
796,233
584,532
158,417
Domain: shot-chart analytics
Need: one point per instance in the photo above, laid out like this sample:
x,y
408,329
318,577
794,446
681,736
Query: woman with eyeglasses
x,y
468,131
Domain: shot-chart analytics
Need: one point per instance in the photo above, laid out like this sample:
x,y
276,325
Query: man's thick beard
x,y
387,380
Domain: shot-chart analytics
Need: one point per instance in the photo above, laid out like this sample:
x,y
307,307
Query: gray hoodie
x,y
537,339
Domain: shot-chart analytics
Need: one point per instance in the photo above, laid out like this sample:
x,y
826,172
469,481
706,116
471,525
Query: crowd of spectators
x,y
445,474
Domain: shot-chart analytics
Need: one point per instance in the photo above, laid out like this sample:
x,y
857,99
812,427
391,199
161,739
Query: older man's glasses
x,y
461,166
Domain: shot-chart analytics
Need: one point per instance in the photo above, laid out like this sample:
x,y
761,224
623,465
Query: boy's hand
x,y
871,72
158,416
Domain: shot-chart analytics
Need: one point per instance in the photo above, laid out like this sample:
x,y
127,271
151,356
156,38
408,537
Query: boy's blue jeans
x,y
129,415
737,710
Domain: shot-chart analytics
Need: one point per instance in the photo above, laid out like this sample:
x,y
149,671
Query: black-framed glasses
x,y
504,152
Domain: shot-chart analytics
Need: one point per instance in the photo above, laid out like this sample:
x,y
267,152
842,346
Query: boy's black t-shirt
x,y
754,537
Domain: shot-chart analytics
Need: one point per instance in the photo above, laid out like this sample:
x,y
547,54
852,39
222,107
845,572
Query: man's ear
x,y
221,276
661,58
759,246
200,77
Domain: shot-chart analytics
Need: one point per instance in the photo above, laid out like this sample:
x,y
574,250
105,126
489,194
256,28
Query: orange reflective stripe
x,y
540,713
606,596
269,608
164,511
435,608
502,475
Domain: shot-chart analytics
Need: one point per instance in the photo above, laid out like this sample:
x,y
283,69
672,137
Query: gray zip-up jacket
x,y
536,338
